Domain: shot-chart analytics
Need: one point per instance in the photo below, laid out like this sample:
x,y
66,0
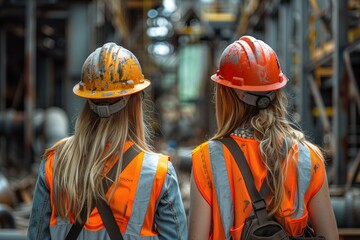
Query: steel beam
x,y
2,90
2,69
320,104
304,92
29,78
285,21
340,123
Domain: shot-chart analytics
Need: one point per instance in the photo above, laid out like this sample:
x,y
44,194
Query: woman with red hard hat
x,y
251,110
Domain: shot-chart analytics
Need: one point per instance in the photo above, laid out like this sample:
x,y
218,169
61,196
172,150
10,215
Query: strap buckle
x,y
259,205
103,111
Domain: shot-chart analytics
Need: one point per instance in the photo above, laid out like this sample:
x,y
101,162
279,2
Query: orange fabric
x,y
123,198
241,199
159,180
49,166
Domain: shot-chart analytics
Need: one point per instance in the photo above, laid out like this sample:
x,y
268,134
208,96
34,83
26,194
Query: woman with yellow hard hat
x,y
104,182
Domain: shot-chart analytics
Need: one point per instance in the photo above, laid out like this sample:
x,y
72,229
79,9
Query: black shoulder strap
x,y
103,207
259,204
258,199
109,220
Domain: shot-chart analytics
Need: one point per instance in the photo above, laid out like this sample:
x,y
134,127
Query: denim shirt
x,y
170,218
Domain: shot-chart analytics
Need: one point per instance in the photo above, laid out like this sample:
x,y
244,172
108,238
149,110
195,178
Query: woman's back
x,y
142,186
141,199
251,104
230,195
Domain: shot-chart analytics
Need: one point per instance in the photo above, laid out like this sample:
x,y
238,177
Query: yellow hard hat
x,y
111,71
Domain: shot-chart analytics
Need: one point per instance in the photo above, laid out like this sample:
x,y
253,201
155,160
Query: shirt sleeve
x,y
170,218
41,209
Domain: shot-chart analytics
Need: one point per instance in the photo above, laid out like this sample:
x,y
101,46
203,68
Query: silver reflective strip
x,y
304,175
142,198
143,193
60,231
54,180
222,187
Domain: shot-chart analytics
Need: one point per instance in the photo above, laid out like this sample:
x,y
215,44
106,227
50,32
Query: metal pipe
x,y
2,69
304,91
2,90
29,77
339,123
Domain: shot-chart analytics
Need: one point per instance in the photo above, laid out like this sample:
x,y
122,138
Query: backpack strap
x,y
258,200
109,220
264,190
258,203
103,208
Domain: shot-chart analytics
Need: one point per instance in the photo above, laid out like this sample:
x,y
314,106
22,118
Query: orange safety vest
x,y
133,203
221,184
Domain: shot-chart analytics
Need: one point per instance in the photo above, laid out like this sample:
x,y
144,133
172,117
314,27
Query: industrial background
x,y
43,44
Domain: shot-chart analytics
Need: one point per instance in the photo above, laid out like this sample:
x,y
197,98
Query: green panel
x,y
191,71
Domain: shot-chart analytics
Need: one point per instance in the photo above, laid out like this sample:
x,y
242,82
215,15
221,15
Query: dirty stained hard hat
x,y
250,65
252,68
111,71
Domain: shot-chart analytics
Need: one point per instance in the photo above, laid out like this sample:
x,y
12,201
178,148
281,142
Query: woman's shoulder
x,y
156,155
154,161
200,146
239,140
203,148
310,152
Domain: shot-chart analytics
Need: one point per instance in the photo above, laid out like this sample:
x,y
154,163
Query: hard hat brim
x,y
247,88
111,93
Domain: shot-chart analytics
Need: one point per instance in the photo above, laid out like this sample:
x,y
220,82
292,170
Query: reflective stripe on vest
x,y
222,187
304,176
62,230
224,193
154,167
143,194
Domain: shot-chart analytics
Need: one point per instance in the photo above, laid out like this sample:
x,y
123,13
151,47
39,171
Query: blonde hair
x,y
80,159
270,127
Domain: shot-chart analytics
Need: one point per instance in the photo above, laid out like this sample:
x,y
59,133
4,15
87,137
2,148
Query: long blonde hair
x,y
80,159
270,126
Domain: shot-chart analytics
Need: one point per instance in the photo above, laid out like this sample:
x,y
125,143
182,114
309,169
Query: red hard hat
x,y
250,65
